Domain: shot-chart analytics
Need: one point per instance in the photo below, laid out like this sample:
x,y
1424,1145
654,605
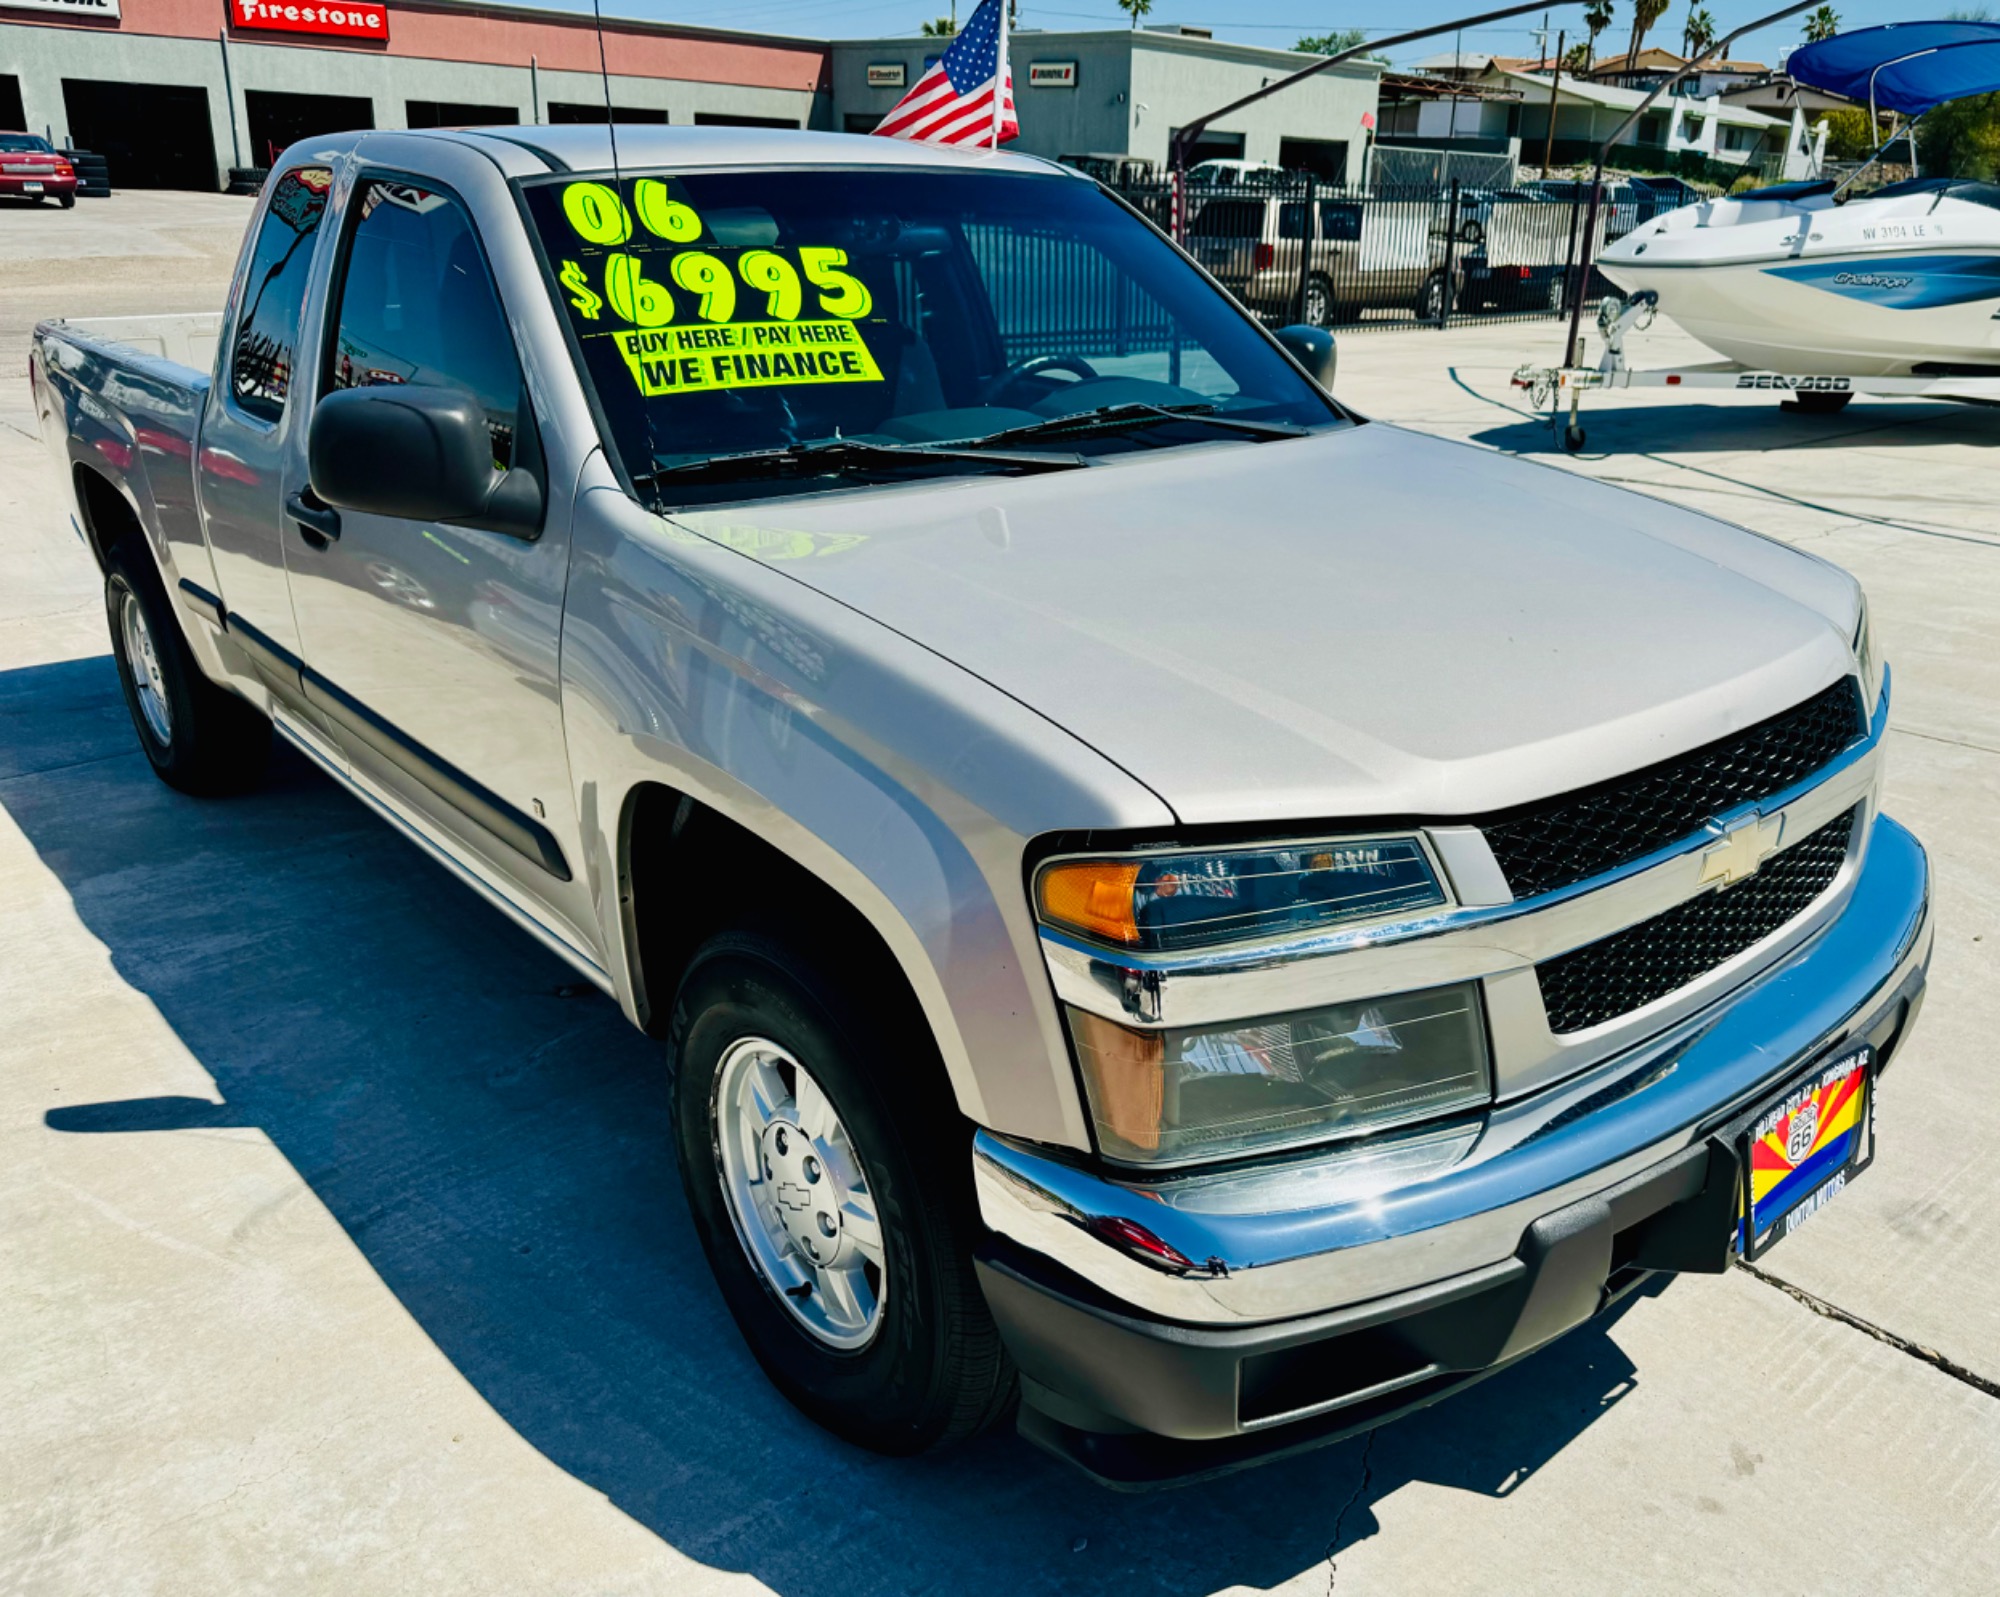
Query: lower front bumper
x,y
1340,1289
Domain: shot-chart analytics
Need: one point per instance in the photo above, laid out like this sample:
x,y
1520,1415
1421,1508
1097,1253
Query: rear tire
x,y
1818,402
66,201
1320,311
882,1334
199,738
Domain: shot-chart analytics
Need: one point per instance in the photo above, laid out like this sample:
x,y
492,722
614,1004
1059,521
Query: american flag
x,y
968,96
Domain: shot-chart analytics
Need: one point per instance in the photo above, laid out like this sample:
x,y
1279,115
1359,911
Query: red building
x,y
176,93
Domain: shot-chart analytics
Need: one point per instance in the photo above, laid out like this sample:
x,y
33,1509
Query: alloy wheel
x,y
798,1194
147,677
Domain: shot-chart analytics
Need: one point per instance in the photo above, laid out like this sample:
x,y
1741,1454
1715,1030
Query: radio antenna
x,y
604,75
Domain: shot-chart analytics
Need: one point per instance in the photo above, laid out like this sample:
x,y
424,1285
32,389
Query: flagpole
x,y
1000,81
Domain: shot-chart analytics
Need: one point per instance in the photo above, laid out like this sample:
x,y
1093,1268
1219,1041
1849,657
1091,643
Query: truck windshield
x,y
762,313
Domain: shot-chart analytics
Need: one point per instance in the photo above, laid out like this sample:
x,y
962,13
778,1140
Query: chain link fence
x,y
1423,254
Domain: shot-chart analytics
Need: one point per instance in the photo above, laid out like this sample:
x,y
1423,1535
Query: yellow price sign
x,y
730,355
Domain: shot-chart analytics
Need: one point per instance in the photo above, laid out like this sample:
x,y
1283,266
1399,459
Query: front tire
x,y
829,1178
1432,298
198,737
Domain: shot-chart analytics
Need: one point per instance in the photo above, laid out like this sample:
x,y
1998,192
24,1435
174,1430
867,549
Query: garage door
x,y
455,114
154,135
278,120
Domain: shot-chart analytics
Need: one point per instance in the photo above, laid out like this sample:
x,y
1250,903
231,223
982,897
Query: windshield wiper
x,y
852,455
1135,413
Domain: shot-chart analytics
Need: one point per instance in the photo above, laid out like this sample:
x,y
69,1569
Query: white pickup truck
x,y
1172,910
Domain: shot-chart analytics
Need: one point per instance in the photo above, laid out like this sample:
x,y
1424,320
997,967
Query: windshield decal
x,y
677,360
679,289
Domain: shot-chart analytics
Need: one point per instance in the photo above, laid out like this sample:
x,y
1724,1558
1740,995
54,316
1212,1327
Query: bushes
x,y
1961,139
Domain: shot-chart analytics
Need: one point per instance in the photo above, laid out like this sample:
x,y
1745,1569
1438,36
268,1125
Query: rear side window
x,y
274,290
418,305
1229,219
1341,224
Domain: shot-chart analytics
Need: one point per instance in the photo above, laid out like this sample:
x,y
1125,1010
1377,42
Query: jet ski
x,y
1810,278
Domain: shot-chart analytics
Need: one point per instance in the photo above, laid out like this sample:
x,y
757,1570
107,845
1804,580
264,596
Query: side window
x,y
1340,224
274,290
418,305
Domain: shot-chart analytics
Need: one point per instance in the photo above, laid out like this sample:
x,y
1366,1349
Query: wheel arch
x,y
107,513
687,870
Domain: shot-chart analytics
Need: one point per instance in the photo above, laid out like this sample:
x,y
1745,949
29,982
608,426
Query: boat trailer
x,y
1818,394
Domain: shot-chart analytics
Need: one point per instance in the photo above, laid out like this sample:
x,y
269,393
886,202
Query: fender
x,y
895,779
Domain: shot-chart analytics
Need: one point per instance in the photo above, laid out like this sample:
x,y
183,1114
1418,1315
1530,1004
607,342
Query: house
x,y
1587,112
1418,108
1651,67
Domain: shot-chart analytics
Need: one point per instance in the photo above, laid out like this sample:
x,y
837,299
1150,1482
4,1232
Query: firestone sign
x,y
344,19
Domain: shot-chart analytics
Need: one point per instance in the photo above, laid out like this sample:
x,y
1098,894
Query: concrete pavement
x,y
342,1250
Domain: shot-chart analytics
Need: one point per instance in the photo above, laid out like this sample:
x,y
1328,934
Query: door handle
x,y
318,522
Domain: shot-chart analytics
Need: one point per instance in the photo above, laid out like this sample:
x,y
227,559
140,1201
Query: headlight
x,y
1212,1092
1173,901
1867,661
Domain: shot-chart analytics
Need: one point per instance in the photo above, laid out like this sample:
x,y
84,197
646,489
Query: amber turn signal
x,y
1093,896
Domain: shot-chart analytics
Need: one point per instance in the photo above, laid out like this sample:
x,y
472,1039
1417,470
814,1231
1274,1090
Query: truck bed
x,y
122,397
185,339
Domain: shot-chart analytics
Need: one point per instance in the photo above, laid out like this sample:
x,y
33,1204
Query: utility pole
x,y
229,94
1555,83
1458,70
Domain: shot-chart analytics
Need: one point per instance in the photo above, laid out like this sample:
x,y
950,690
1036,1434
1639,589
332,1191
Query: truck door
x,y
433,647
239,462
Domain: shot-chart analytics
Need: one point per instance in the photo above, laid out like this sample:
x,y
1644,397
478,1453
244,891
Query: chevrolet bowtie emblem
x,y
1746,844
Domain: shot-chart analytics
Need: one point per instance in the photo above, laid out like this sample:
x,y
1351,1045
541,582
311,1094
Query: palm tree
x,y
1596,17
943,28
1699,33
1135,9
1822,24
1644,14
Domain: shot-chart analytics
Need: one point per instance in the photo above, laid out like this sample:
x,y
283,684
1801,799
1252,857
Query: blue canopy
x,y
1914,65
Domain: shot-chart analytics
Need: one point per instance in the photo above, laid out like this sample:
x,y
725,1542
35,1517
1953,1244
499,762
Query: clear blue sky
x,y
1273,22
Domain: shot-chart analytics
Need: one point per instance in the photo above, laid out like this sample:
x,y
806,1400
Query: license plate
x,y
31,188
1800,1150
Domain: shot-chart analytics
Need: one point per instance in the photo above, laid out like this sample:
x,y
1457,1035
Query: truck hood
x,y
1366,622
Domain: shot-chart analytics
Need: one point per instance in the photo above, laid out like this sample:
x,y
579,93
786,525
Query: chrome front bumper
x,y
1343,1226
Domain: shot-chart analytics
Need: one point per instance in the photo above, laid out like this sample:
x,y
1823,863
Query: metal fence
x,y
1399,166
1434,254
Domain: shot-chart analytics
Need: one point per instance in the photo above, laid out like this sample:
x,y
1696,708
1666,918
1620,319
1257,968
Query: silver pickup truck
x,y
1173,911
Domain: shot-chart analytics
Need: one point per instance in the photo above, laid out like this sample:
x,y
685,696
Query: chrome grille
x,y
1557,842
1627,970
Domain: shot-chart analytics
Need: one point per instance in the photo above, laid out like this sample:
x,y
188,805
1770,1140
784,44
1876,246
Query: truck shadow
x,y
492,1137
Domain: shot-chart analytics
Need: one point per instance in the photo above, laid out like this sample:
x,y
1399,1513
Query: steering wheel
x,y
1034,366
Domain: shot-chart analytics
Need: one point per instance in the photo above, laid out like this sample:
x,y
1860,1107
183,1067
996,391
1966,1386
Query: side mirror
x,y
1312,347
416,452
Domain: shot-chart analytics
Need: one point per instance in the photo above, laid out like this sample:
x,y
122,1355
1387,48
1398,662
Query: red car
x,y
29,166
